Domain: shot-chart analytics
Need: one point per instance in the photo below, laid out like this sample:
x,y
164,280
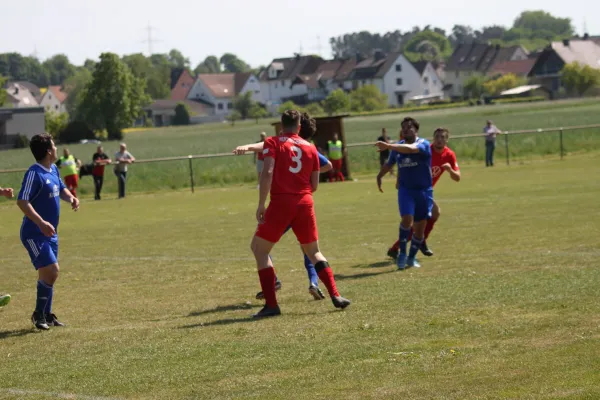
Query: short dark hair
x,y
39,145
308,126
412,121
290,119
445,131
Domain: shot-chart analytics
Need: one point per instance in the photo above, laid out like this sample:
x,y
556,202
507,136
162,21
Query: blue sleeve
x,y
30,187
323,161
424,147
393,158
62,185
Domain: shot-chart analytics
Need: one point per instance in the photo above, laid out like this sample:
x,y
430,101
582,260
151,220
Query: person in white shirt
x,y
490,131
123,158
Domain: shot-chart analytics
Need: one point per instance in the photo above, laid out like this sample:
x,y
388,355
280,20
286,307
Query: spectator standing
x,y
490,131
335,153
69,166
100,160
384,155
123,159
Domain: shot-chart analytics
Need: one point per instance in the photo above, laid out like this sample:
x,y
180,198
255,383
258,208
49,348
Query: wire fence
x,y
505,135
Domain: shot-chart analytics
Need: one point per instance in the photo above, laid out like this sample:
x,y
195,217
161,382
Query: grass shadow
x,y
218,309
342,277
379,264
16,333
219,322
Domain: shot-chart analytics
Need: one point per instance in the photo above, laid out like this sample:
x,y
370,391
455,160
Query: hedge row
x,y
520,100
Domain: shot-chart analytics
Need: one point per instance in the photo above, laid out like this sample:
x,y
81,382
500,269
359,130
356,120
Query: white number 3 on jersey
x,y
297,159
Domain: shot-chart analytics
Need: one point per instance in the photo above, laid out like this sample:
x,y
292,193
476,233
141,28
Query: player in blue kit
x,y
308,129
415,188
39,199
8,193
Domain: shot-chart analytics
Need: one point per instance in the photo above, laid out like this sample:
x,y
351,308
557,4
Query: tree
x,y
579,78
177,59
539,21
473,87
210,65
288,105
55,123
182,115
243,104
231,63
154,71
74,87
314,109
495,86
59,68
257,112
337,101
89,64
114,98
234,116
368,98
75,131
428,45
2,91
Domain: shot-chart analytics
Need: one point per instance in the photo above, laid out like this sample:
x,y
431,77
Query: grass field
x,y
218,138
158,289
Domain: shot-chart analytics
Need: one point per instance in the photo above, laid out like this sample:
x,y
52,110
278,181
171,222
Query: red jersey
x,y
439,159
295,161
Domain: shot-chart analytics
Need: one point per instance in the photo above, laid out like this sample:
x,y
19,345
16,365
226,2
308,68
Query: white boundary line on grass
x,y
56,395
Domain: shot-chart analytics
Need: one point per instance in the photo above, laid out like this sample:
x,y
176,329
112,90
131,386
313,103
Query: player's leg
x,y
304,226
407,210
313,279
435,215
340,174
4,299
266,275
423,205
260,295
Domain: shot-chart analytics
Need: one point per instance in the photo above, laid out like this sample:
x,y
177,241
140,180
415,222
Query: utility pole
x,y
150,40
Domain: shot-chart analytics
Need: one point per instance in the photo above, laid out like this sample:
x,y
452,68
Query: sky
x,y
255,30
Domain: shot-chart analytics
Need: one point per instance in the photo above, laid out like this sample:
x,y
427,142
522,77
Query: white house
x,y
18,96
53,100
219,90
396,77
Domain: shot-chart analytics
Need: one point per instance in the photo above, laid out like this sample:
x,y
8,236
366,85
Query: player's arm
x,y
27,209
324,164
452,168
254,147
66,195
385,168
266,178
399,147
6,192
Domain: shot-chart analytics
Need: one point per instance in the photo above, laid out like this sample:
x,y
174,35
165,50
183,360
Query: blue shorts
x,y
415,202
42,250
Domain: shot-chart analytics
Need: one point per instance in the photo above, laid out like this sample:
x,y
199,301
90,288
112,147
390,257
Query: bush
x,y
182,115
22,142
314,109
520,100
75,131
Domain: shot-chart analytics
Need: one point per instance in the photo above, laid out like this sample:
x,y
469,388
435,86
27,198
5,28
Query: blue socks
x,y
404,234
310,269
43,303
415,245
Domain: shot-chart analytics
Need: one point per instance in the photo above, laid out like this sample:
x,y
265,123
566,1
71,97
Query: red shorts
x,y
72,181
296,212
337,164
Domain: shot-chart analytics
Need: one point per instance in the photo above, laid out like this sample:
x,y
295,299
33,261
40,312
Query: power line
x,y
150,40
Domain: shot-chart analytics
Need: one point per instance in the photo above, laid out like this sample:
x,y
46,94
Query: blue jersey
x,y
41,188
414,170
322,160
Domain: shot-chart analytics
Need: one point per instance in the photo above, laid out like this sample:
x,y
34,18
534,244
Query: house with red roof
x,y
219,90
53,100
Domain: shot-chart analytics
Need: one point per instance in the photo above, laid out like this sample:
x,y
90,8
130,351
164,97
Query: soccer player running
x,y
39,199
290,174
9,194
308,128
415,189
442,159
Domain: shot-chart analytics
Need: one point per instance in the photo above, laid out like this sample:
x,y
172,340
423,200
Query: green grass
x,y
157,290
219,138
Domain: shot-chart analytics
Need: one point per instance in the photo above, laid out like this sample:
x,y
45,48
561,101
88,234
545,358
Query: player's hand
x,y
382,146
47,229
260,214
8,193
240,150
379,183
74,203
447,167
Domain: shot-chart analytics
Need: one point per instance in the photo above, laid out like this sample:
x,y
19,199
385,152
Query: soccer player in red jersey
x,y
290,174
442,159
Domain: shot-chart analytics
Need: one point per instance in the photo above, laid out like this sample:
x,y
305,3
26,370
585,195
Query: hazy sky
x,y
256,30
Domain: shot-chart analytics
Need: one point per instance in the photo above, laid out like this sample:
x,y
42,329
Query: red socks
x,y
430,223
267,284
326,276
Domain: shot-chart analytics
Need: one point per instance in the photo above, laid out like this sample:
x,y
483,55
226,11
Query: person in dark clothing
x,y
384,155
100,161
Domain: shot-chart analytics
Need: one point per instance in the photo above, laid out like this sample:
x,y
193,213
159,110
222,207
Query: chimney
x,y
566,42
378,54
16,90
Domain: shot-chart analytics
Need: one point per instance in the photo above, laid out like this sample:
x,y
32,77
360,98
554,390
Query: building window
x,y
425,79
220,106
229,106
56,106
398,67
257,92
399,81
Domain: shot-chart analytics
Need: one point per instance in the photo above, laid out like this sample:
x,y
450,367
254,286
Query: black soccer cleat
x,y
340,302
52,321
39,321
316,292
426,250
261,296
392,253
267,311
